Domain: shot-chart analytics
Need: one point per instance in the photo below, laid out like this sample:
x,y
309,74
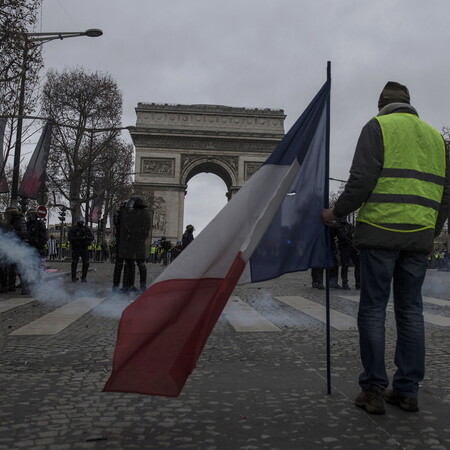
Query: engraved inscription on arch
x,y
210,118
158,167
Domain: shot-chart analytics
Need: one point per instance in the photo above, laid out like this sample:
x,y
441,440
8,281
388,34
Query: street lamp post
x,y
33,40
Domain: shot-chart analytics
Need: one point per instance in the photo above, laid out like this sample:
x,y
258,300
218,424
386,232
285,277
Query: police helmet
x,y
135,202
32,214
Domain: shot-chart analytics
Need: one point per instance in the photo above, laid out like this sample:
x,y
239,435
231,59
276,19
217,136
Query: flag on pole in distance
x,y
34,174
3,182
96,208
270,227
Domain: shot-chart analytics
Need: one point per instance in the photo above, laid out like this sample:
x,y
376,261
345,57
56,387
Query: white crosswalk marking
x,y
436,301
56,321
337,320
243,318
6,305
353,298
430,300
434,319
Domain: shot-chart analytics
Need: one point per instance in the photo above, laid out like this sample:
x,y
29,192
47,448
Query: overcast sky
x,y
261,54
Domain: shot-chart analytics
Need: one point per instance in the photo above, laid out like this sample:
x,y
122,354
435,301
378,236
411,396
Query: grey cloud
x,y
264,53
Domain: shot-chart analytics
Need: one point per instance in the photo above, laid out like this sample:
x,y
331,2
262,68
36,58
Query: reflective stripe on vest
x,y
409,189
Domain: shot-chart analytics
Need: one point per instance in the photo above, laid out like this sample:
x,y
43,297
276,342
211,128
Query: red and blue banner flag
x,y
3,182
34,175
95,213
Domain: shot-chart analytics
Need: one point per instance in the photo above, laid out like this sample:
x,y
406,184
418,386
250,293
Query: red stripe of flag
x,y
162,333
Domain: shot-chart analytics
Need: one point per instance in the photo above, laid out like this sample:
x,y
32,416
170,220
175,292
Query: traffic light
x,y
62,213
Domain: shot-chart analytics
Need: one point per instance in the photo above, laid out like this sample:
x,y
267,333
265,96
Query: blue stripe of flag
x,y
296,239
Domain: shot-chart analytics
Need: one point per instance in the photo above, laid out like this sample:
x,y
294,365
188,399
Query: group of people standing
x,y
132,224
439,259
31,231
344,255
132,229
162,251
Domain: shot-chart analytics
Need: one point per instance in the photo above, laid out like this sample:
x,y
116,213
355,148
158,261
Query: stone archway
x,y
176,142
221,167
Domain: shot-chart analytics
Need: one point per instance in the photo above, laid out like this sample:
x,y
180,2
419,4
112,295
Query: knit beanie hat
x,y
393,92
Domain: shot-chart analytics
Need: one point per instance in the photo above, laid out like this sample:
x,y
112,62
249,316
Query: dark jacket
x,y
37,235
365,170
80,236
187,238
19,226
344,234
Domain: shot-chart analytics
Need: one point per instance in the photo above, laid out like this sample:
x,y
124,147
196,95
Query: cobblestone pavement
x,y
250,390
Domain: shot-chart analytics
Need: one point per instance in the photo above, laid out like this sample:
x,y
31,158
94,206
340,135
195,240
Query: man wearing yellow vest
x,y
399,182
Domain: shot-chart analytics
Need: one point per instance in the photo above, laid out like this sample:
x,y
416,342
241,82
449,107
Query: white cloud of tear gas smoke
x,y
25,257
49,287
29,268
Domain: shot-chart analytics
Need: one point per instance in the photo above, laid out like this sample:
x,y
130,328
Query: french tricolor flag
x,y
270,227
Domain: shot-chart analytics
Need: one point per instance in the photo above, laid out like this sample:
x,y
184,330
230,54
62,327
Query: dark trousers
x,y
317,276
78,253
407,272
142,273
129,273
347,256
4,280
118,266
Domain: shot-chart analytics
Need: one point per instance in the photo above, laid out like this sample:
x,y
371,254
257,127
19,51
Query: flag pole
x,y
327,204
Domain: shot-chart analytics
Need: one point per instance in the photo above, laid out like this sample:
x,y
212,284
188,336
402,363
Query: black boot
x,y
84,272
345,285
74,271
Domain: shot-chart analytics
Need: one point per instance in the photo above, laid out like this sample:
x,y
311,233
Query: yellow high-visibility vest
x,y
409,189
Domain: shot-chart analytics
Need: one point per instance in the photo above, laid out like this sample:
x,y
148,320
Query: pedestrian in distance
x,y
165,246
80,237
347,252
118,260
52,247
176,250
318,272
188,236
399,182
15,222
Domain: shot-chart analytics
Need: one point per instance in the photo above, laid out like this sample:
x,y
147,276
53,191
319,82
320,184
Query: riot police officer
x,y
347,252
119,260
134,242
37,232
188,236
16,223
80,237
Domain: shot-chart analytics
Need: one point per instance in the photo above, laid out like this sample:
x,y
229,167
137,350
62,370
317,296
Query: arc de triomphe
x,y
176,142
